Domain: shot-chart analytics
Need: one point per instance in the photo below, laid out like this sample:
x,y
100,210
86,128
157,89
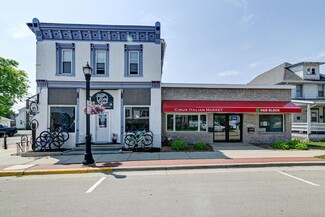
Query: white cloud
x,y
253,65
317,56
228,73
20,31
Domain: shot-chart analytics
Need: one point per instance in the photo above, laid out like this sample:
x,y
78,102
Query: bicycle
x,y
135,139
51,139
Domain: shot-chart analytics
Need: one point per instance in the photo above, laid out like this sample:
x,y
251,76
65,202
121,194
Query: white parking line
x,y
286,174
95,185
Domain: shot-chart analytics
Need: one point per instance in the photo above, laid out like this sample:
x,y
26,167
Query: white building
x,y
21,119
308,93
5,121
127,66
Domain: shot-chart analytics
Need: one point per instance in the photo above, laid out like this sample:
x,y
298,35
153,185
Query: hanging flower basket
x,y
94,109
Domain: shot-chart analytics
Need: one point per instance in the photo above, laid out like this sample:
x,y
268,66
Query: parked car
x,y
218,127
10,131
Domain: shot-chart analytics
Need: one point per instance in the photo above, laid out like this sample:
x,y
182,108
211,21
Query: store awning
x,y
229,106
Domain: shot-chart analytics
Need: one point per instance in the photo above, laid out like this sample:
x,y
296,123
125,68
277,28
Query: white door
x,y
102,128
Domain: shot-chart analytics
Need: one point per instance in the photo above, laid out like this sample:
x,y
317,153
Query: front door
x,y
314,115
227,128
102,128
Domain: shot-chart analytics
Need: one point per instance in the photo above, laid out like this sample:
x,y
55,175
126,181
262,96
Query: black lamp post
x,y
89,160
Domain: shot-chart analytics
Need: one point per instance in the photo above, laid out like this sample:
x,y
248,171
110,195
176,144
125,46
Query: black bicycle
x,y
49,140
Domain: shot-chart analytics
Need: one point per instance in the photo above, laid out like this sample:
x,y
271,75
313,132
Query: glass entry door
x,y
227,127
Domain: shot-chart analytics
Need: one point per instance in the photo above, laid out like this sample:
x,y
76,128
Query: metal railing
x,y
300,131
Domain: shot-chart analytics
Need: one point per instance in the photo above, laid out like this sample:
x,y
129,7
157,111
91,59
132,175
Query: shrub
x,y
301,146
292,144
201,146
179,145
280,145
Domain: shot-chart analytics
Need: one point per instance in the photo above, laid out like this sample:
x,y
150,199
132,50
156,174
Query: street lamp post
x,y
89,160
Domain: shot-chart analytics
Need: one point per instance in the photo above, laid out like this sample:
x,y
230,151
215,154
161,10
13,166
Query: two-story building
x,y
308,93
127,66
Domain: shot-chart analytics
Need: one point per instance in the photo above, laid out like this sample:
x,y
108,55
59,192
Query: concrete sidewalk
x,y
224,156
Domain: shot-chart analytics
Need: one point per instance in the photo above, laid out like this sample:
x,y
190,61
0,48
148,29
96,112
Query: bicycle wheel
x,y
146,142
129,141
55,145
39,144
64,135
148,132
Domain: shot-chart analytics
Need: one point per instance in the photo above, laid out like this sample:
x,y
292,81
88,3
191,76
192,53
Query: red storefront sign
x,y
229,106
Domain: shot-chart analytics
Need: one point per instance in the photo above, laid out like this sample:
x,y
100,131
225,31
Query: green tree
x,y
14,84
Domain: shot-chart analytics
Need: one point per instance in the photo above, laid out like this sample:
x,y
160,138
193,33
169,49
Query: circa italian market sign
x,y
104,99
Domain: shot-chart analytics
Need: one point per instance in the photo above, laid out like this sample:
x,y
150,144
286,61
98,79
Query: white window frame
x,y
138,62
96,61
62,61
283,123
130,108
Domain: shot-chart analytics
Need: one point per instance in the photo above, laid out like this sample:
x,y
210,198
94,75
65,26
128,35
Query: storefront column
x,y
308,121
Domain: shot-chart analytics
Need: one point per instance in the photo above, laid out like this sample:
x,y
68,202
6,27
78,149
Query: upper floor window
x,y
313,72
133,58
299,90
321,91
65,59
134,63
99,55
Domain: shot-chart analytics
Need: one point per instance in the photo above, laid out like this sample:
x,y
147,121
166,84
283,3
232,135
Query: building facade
x,y
127,64
227,113
308,93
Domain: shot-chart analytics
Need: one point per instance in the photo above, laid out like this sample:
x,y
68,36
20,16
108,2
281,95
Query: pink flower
x,y
94,109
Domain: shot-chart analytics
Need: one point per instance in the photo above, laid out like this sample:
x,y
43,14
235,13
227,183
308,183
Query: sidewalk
x,y
224,156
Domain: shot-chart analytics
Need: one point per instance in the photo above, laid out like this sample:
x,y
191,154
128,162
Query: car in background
x,y
10,131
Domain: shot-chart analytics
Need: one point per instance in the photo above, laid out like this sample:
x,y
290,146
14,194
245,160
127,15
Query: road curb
x,y
55,171
156,168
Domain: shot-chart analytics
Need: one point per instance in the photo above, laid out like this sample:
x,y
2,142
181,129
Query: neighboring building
x,y
6,121
21,119
227,113
308,93
127,64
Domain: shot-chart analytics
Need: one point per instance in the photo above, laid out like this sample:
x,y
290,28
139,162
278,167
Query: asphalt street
x,y
294,191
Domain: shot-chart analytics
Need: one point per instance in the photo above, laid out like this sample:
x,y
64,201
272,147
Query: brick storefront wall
x,y
249,119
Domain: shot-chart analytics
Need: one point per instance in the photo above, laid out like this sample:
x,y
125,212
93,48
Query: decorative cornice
x,y
88,32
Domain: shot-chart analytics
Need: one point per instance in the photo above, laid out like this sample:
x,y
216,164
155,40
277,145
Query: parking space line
x,y
95,185
294,177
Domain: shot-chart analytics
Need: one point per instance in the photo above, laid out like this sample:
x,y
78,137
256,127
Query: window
x,y
299,90
136,118
65,59
99,58
178,122
134,63
100,62
133,57
320,90
313,72
62,117
271,123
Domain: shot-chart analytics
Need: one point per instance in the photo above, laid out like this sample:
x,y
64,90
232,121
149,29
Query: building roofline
x,y
302,63
225,86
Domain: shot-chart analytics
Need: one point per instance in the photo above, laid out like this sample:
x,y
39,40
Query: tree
x,y
14,84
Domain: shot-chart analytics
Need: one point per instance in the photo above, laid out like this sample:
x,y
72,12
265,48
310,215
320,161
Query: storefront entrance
x,y
102,128
227,127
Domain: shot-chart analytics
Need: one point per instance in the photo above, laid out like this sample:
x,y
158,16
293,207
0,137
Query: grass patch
x,y
316,144
321,156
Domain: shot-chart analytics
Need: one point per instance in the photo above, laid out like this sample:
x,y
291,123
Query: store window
x,y
136,118
62,117
177,122
271,123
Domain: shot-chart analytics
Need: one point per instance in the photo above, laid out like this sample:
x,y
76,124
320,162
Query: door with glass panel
x,y
227,127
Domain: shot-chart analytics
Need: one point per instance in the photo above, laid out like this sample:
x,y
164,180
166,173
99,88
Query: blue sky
x,y
208,41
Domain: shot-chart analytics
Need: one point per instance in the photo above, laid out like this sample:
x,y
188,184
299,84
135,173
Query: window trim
x,y
265,114
59,105
131,109
302,91
60,47
174,122
323,90
93,50
138,60
127,49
